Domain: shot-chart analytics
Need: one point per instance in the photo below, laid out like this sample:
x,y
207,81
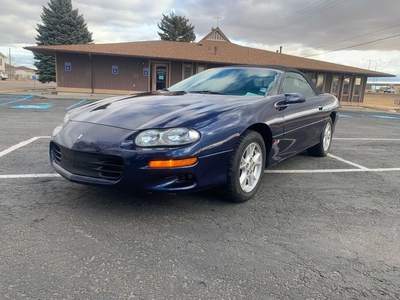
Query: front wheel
x,y
246,167
322,148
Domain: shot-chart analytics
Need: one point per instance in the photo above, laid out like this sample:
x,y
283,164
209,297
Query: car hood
x,y
158,110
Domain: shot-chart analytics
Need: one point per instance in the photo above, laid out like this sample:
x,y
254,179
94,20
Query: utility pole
x,y
9,62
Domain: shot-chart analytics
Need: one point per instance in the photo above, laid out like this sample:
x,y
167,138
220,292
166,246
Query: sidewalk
x,y
44,90
374,101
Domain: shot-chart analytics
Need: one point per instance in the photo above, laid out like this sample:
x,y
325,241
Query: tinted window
x,y
296,83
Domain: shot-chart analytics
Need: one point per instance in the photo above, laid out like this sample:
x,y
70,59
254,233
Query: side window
x,y
296,83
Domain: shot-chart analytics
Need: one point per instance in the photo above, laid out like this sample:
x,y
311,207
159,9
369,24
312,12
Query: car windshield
x,y
229,81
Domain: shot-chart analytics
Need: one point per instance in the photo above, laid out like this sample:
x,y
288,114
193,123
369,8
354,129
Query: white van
x,y
3,76
389,89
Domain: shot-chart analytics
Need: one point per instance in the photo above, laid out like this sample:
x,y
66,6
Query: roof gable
x,y
216,34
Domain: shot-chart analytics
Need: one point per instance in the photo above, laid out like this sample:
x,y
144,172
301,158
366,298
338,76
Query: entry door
x,y
159,77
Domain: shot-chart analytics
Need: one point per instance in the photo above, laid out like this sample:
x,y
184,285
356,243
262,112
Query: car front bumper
x,y
131,169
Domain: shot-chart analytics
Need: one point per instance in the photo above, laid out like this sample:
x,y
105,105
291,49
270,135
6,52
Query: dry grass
x,y
378,101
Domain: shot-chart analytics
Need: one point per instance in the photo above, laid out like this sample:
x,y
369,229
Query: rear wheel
x,y
322,148
246,167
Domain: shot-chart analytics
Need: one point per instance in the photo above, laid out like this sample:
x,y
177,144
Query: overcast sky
x,y
308,28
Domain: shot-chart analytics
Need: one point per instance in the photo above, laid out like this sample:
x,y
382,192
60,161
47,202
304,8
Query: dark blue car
x,y
221,127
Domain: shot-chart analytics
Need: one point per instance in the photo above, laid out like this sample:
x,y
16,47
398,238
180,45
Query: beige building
x,y
150,65
20,73
2,62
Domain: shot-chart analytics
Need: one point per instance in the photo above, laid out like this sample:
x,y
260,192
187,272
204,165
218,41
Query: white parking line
x,y
22,144
367,139
25,176
29,176
359,167
347,162
330,171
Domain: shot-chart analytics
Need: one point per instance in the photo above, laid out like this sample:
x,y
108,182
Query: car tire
x,y
246,167
322,148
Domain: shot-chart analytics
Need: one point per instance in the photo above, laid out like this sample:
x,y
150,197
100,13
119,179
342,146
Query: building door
x,y
346,89
159,76
357,89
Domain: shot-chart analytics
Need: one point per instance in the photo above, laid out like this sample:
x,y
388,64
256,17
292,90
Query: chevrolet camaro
x,y
221,127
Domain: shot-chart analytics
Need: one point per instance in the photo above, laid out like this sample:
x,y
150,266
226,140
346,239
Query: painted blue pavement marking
x,y
76,104
10,97
384,117
18,100
34,106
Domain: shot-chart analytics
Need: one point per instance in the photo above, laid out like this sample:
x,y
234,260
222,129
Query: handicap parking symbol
x,y
114,69
67,66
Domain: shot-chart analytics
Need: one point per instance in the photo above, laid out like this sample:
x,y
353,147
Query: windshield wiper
x,y
206,92
174,92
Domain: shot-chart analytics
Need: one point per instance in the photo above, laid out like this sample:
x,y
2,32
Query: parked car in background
x,y
3,76
389,90
220,127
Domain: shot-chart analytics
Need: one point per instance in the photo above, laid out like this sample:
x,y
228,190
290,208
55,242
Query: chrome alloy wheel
x,y
327,138
250,167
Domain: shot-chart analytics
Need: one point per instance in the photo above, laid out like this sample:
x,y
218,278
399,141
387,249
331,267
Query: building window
x,y
312,76
335,85
1,61
357,86
346,85
321,82
200,68
187,71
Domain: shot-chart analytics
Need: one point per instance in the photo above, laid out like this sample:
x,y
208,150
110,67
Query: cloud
x,y
314,27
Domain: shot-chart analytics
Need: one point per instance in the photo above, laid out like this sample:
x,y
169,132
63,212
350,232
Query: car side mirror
x,y
292,98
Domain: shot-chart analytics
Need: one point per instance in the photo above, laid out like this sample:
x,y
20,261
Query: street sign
x,y
145,71
114,70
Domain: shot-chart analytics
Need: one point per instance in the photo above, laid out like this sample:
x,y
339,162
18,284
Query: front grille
x,y
88,164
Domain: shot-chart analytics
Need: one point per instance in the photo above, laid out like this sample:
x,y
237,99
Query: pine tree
x,y
62,25
176,28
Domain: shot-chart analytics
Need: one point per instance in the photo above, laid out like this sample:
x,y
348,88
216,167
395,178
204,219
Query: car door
x,y
303,121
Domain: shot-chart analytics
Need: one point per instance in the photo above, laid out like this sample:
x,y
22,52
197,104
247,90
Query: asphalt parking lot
x,y
319,228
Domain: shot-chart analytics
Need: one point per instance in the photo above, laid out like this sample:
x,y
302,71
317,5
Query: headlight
x,y
167,137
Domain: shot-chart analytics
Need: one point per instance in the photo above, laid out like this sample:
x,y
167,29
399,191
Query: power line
x,y
349,47
298,12
308,11
354,37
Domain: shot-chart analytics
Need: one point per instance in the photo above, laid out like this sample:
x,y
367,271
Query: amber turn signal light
x,y
173,163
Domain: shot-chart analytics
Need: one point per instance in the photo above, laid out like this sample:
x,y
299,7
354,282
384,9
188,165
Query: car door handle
x,y
320,107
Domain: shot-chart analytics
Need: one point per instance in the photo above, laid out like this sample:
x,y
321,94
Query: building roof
x,y
2,55
20,68
214,48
